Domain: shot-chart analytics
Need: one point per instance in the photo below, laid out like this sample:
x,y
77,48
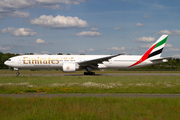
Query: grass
x,y
90,108
90,84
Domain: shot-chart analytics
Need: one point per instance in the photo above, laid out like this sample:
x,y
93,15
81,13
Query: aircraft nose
x,y
5,63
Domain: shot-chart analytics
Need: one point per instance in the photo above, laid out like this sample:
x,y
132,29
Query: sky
x,y
92,27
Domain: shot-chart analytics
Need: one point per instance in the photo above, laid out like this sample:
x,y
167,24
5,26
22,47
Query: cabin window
x,y
9,59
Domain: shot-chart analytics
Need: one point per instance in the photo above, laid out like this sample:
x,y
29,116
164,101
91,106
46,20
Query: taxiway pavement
x,y
43,95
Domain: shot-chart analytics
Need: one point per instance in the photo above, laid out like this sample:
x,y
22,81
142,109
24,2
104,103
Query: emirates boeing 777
x,y
71,63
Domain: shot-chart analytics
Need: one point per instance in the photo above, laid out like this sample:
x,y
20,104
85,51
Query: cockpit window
x,y
9,59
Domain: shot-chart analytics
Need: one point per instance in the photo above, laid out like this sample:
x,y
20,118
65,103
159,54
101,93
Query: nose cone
x,y
6,63
9,63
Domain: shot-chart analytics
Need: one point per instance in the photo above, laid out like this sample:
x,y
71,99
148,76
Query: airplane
x,y
71,63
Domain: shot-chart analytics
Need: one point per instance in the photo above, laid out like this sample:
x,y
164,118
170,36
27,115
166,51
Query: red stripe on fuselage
x,y
144,57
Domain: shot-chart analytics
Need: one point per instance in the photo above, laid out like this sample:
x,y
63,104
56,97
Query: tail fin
x,y
157,47
154,52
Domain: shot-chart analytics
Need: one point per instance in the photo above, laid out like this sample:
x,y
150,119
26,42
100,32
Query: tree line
x,y
173,64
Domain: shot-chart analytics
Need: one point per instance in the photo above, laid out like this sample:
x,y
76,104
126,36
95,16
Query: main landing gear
x,y
89,71
17,71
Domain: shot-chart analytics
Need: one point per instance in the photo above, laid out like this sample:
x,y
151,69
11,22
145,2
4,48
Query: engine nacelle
x,y
69,67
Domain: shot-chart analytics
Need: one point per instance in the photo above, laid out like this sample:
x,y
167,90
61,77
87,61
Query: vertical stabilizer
x,y
154,52
158,47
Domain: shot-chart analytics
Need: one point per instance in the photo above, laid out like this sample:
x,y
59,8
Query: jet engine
x,y
69,67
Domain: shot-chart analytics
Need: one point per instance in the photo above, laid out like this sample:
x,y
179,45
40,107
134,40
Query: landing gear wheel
x,y
92,73
17,73
85,73
89,73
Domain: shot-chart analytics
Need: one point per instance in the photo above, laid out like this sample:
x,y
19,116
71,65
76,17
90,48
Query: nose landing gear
x,y
17,73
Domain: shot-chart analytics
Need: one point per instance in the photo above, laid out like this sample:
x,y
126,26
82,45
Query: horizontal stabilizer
x,y
161,59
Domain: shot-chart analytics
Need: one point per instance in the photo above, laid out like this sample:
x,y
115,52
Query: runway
x,y
43,95
110,74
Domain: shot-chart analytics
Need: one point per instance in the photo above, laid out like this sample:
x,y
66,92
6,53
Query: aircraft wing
x,y
161,59
96,61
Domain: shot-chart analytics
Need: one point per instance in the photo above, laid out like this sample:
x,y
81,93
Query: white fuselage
x,y
57,61
71,63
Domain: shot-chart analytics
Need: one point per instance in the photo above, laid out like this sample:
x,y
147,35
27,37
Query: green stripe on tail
x,y
161,42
